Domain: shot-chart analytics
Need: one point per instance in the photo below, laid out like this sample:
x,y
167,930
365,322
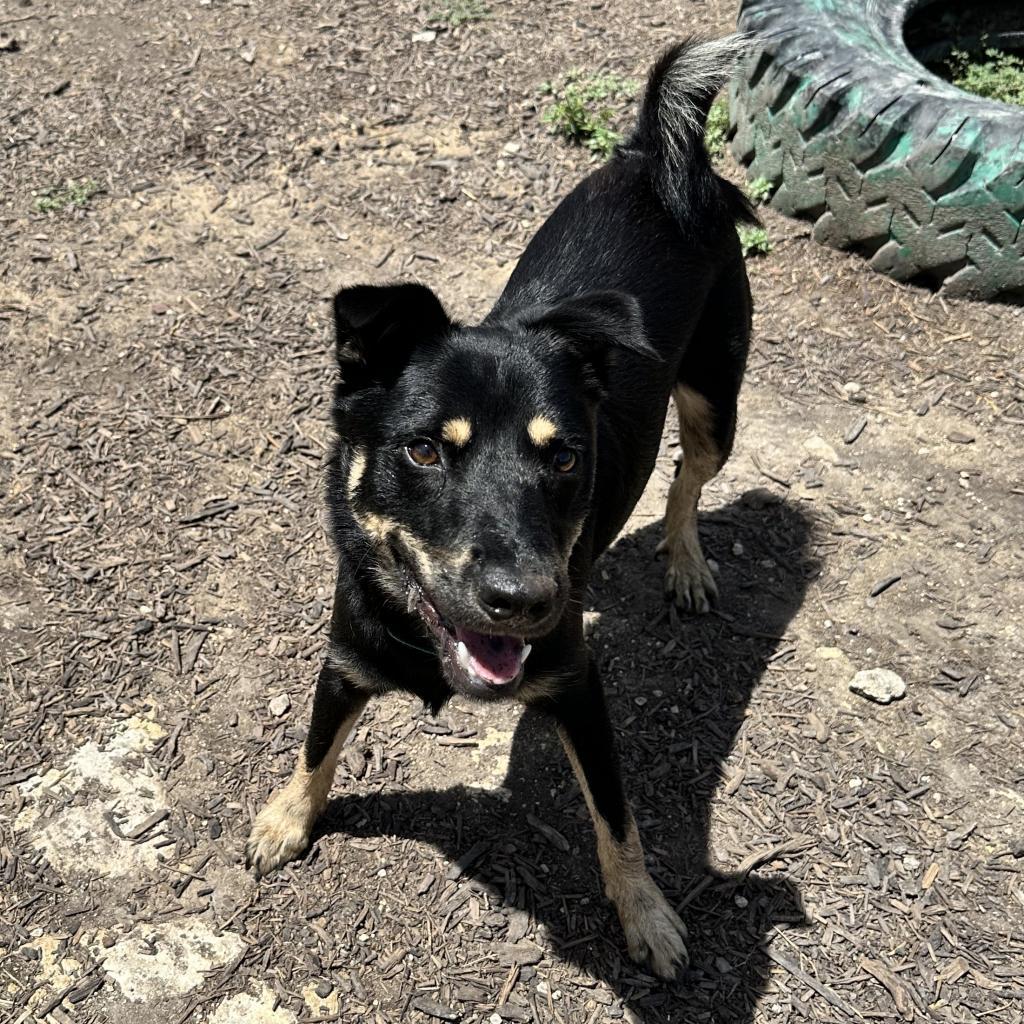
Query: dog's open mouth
x,y
481,662
497,660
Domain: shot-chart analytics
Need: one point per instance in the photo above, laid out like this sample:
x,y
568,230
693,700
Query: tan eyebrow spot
x,y
457,431
541,430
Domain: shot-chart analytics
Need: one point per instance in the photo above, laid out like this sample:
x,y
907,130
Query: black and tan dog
x,y
479,471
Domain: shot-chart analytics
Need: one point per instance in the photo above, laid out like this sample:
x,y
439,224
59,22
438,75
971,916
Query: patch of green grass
x,y
583,109
994,74
717,129
754,241
70,195
454,13
759,190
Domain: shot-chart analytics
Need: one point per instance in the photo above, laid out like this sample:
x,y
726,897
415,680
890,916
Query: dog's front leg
x,y
653,930
282,829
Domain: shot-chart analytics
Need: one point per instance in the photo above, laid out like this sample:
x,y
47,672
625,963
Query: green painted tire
x,y
885,157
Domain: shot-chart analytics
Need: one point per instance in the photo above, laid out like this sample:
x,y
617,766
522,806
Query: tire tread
x,y
906,180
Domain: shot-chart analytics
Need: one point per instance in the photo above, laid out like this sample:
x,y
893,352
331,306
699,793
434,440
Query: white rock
x,y
820,448
878,684
280,704
76,839
424,37
164,961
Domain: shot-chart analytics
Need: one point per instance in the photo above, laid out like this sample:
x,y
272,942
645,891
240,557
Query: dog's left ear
x,y
377,327
596,323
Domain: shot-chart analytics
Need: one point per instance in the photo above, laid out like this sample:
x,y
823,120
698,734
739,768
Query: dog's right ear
x,y
377,327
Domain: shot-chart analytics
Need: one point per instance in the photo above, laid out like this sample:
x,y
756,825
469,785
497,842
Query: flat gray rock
x,y
881,685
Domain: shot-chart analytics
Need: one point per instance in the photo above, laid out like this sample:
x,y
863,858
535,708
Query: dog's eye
x,y
564,460
423,452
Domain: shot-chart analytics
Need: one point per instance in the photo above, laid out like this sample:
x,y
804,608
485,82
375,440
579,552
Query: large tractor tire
x,y
886,158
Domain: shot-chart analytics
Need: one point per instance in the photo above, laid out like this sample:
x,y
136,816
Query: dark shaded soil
x,y
165,580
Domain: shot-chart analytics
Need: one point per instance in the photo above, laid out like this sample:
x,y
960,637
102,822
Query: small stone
x,y
881,685
355,761
821,449
280,704
426,36
323,988
510,1011
522,953
518,925
737,548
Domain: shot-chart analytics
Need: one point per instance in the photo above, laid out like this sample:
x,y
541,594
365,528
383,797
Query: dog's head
x,y
466,456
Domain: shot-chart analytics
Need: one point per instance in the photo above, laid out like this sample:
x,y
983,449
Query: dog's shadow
x,y
678,692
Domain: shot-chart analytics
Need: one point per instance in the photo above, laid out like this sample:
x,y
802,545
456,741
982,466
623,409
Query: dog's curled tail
x,y
671,126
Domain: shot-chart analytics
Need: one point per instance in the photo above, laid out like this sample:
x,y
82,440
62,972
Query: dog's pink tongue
x,y
494,658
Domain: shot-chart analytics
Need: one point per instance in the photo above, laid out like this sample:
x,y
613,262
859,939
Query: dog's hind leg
x,y
688,580
282,829
707,387
653,930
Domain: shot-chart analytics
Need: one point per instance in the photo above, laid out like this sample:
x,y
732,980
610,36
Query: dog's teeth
x,y
525,653
462,653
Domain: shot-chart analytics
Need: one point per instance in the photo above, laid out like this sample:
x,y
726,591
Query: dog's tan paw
x,y
654,932
689,583
279,834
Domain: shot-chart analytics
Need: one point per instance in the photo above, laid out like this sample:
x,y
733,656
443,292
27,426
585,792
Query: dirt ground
x,y
164,578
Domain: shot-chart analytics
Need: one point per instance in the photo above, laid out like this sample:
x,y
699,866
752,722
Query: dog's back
x,y
655,222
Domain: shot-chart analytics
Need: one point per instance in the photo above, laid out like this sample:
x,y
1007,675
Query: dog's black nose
x,y
506,595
